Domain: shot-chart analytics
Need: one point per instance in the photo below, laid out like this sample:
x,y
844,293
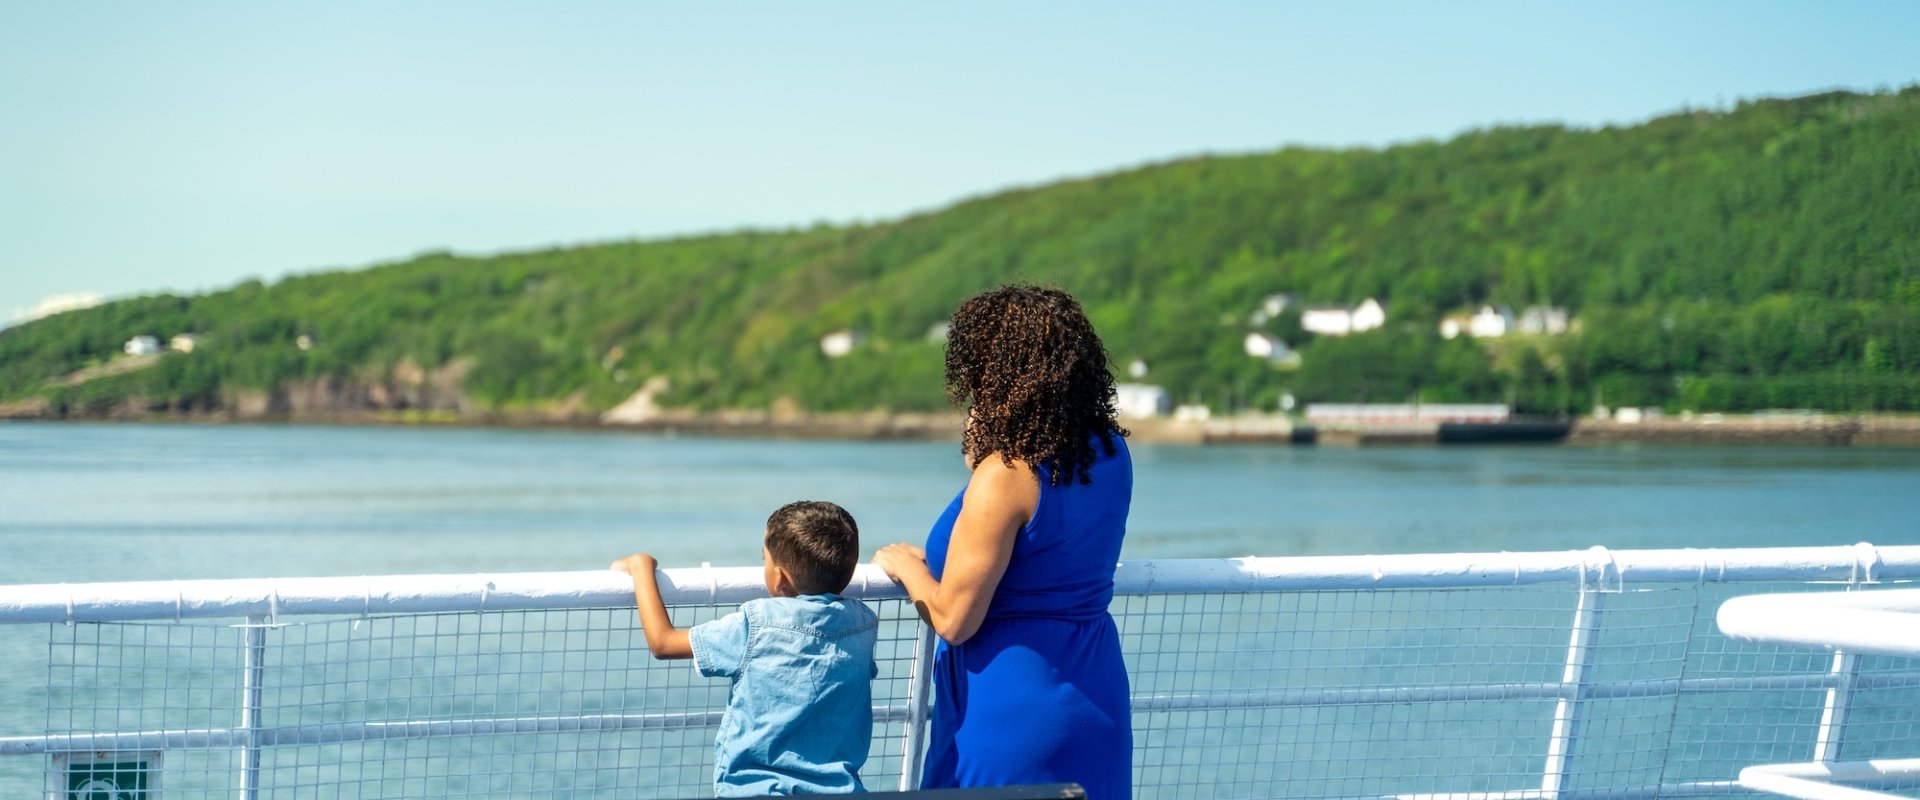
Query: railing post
x,y
253,669
1845,671
1573,678
1833,716
919,697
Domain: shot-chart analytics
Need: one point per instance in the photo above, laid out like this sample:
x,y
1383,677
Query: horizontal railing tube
x,y
1885,622
336,732
537,591
1155,703
1676,789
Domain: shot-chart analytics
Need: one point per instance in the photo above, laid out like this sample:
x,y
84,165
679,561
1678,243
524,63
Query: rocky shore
x,y
323,403
1863,429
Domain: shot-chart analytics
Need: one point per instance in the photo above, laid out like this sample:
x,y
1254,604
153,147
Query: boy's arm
x,y
663,640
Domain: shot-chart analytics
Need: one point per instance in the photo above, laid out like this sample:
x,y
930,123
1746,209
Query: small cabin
x,y
1370,314
1327,321
1264,345
1335,321
1490,322
840,343
141,346
1141,401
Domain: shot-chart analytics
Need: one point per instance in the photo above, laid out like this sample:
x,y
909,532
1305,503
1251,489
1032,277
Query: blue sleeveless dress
x,y
1039,694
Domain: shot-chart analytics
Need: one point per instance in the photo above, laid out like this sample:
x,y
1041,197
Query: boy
x,y
799,714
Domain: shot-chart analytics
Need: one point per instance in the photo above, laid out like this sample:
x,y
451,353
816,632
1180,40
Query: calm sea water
x,y
100,502
108,502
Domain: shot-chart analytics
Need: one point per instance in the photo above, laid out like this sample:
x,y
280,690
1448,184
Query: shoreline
x,y
1868,430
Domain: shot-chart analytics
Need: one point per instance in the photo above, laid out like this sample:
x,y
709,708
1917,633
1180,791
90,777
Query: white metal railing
x,y
1886,622
1849,624
1344,676
1597,569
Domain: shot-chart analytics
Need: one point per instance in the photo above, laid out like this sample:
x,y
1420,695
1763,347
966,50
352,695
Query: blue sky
x,y
188,146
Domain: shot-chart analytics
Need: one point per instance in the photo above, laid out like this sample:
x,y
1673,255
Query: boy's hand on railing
x,y
663,640
636,564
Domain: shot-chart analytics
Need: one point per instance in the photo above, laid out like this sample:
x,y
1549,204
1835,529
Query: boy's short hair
x,y
817,543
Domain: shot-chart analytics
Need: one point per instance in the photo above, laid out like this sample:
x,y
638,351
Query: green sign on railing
x,y
112,776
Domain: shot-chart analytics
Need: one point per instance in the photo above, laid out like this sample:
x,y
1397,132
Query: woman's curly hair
x,y
1036,378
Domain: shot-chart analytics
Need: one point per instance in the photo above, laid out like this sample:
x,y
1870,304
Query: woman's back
x,y
1046,660
1064,558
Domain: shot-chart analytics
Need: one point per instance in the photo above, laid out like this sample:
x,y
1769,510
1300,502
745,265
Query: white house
x,y
1137,368
1333,321
141,346
840,343
1141,400
1547,320
1454,325
1370,314
1490,322
1327,321
183,343
1265,345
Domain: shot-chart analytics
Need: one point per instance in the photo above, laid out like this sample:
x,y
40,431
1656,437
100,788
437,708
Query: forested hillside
x,y
1767,256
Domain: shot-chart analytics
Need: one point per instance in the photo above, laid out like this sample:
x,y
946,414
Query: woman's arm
x,y
663,640
1000,499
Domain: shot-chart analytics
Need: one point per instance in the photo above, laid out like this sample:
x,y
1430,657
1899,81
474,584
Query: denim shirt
x,y
799,715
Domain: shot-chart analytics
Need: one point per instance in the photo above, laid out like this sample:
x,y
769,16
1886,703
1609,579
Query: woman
x,y
1016,576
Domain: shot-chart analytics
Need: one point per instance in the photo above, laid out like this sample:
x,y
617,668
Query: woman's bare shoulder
x,y
997,466
1014,481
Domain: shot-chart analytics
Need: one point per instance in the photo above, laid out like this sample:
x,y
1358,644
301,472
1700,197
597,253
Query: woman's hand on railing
x,y
895,559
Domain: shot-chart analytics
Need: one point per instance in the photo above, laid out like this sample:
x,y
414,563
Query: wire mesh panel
x,y
1715,734
1339,694
109,682
1336,694
1634,672
494,704
555,703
